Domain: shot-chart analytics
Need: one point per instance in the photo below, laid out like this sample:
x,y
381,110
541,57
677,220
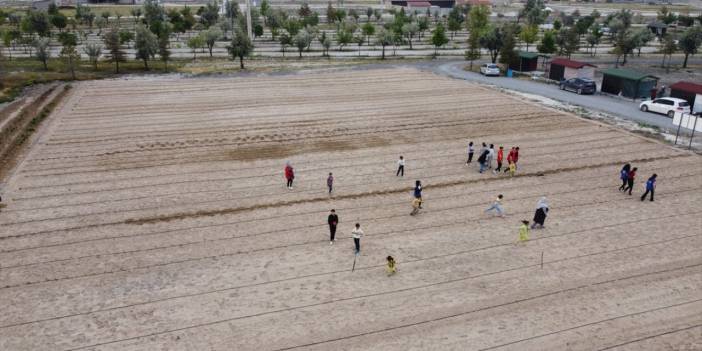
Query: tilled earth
x,y
153,215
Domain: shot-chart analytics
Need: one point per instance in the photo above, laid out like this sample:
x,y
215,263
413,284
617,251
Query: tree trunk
x,y
165,66
299,52
241,61
46,67
684,62
210,48
146,64
116,66
383,57
410,42
663,62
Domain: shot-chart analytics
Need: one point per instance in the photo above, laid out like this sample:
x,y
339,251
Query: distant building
x,y
658,28
563,68
628,83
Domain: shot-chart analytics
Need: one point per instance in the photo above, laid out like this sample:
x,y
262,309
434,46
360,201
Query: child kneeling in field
x,y
415,206
390,269
512,169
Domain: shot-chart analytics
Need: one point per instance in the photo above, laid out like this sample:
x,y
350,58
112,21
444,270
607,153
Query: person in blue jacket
x,y
418,192
624,175
650,187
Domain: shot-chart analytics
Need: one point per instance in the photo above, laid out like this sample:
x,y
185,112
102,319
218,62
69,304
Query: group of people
x,y
487,154
628,176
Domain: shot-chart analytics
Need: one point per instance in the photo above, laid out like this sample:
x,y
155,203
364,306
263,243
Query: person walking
x,y
624,175
541,212
497,206
524,232
490,156
330,182
630,178
500,157
400,167
482,160
510,158
289,175
332,220
391,267
471,151
650,187
357,234
515,158
418,192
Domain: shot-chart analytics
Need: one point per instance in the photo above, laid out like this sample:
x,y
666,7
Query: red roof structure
x,y
569,63
418,3
474,2
687,87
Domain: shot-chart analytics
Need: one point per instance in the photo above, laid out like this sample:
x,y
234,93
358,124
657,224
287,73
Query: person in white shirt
x,y
357,233
400,167
497,206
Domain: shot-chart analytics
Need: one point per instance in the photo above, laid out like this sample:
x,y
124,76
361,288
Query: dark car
x,y
579,85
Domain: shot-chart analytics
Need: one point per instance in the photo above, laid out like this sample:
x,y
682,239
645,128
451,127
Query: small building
x,y
628,83
692,92
528,61
658,28
563,68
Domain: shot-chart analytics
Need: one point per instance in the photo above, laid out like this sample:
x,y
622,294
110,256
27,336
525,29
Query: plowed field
x,y
153,215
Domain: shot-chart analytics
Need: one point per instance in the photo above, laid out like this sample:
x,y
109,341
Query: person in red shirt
x,y
500,157
516,155
630,178
289,175
510,158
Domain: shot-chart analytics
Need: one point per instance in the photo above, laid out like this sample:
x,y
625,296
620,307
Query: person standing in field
x,y
332,220
471,151
357,234
624,175
516,157
482,159
418,192
490,156
400,167
541,212
330,182
630,178
510,158
289,175
391,267
500,157
524,232
650,187
497,206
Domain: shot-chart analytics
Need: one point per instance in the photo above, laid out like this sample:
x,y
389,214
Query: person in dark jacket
x,y
630,178
650,187
330,182
483,160
289,175
333,220
624,175
418,192
541,212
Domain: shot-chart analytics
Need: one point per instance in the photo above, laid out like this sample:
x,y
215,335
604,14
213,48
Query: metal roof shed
x,y
628,83
562,68
528,61
692,92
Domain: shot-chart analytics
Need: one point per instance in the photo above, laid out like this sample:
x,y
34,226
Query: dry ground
x,y
152,215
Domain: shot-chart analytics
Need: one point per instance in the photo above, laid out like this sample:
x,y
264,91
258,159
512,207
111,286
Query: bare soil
x,y
152,214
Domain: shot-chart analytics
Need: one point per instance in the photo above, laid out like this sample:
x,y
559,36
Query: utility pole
x,y
249,30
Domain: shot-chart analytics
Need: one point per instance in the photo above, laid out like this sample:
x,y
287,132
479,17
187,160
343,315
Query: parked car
x,y
490,69
579,85
667,106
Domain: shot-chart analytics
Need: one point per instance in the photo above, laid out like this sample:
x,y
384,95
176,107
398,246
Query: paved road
x,y
608,104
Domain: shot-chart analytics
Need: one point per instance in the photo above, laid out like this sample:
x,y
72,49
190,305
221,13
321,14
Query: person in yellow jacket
x,y
391,266
416,202
524,231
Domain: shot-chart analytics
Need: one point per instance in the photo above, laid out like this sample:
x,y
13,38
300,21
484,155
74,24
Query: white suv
x,y
666,106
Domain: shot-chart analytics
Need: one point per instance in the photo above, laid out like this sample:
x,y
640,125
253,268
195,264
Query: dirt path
x,y
152,214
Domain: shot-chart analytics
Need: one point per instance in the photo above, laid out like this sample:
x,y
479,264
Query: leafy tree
x,y
93,51
59,21
378,15
265,8
231,11
533,12
368,29
195,43
125,36
331,13
643,36
67,39
188,18
557,25
293,26
257,30
209,14
153,12
354,14
369,14
593,38
666,16
668,49
324,39
145,44
625,42
164,51
70,56
302,40
275,21
409,30
548,43
100,23
568,41
492,41
36,22
584,24
359,40
136,13
508,54
690,42
52,10
211,36
43,51
106,15
285,41
384,38
528,35
241,47
453,26
304,10
423,24
311,20
438,37
343,38
477,25
85,15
